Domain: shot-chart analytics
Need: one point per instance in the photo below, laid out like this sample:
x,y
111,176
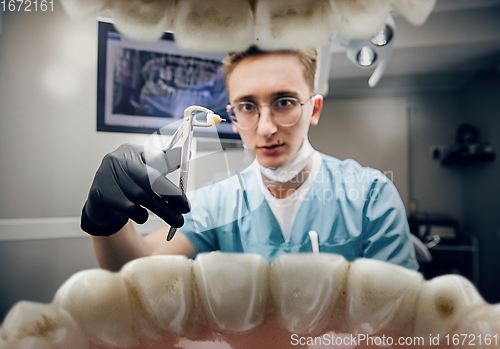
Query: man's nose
x,y
266,126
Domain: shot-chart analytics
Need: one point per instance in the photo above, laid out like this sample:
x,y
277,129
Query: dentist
x,y
267,208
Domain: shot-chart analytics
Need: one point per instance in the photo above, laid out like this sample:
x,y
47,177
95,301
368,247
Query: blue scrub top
x,y
356,211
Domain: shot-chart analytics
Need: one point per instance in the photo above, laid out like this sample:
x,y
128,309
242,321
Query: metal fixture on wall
x,y
468,148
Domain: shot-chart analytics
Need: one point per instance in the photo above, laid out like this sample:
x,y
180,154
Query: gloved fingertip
x,y
175,221
186,208
140,216
178,223
140,221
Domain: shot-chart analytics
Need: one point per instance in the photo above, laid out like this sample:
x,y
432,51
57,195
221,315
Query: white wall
x,y
374,132
49,149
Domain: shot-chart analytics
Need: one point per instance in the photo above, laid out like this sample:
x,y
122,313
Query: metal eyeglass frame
x,y
230,109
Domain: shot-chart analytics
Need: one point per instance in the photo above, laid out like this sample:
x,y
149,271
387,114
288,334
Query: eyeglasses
x,y
285,111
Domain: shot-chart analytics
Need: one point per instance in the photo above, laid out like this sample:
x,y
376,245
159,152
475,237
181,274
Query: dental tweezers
x,y
186,130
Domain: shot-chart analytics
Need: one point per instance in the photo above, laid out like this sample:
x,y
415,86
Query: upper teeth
x,y
229,25
307,293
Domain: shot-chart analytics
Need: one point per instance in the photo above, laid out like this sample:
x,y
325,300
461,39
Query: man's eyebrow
x,y
243,98
274,95
285,93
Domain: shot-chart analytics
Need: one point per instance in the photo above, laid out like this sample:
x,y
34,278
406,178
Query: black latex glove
x,y
128,178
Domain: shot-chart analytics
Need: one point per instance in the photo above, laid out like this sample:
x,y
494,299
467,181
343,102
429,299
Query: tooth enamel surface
x,y
415,11
83,9
292,23
358,19
230,25
163,286
305,289
483,322
214,25
232,289
443,302
146,20
305,294
99,302
213,119
381,296
40,326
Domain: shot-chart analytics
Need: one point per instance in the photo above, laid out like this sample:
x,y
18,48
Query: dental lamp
x,y
363,53
373,52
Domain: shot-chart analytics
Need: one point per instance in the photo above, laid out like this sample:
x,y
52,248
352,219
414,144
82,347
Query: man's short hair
x,y
308,58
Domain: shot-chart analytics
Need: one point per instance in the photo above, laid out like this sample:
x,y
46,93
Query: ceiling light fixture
x,y
384,37
366,57
373,52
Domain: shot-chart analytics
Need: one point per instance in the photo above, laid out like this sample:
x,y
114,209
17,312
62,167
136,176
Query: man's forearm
x,y
114,251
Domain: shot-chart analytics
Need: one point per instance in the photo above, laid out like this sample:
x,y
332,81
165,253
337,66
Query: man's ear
x,y
317,107
235,129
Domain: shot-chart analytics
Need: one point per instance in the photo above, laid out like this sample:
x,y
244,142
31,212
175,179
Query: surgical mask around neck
x,y
292,167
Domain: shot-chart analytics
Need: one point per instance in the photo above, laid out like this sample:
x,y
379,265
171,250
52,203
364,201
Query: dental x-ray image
x,y
155,84
143,86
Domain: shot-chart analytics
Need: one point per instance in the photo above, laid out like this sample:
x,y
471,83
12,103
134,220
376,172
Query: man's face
x,y
263,79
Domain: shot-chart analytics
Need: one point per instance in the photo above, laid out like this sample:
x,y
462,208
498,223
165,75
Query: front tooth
x,y
359,19
82,9
443,301
217,25
232,289
163,286
381,296
415,11
481,328
40,326
144,20
281,24
99,302
305,289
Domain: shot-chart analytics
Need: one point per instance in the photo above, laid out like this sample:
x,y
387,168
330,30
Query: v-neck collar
x,y
276,234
